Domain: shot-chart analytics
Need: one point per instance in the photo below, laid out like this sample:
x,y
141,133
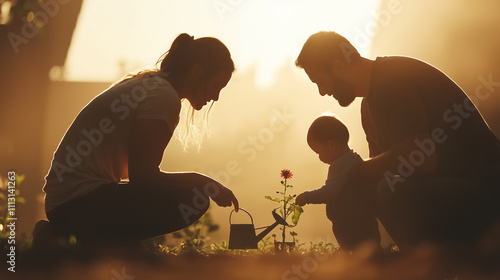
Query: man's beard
x,y
346,99
345,93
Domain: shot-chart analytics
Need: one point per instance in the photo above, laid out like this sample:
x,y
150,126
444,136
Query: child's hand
x,y
300,200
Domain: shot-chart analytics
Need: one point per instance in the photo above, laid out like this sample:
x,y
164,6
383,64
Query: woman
x,y
122,133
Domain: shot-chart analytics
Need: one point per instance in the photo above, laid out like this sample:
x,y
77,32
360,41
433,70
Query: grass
x,y
196,258
215,261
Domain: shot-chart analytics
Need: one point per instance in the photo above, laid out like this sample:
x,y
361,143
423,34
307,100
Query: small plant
x,y
323,248
165,250
265,245
222,248
287,209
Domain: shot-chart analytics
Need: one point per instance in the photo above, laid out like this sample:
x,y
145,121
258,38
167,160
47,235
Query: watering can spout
x,y
279,221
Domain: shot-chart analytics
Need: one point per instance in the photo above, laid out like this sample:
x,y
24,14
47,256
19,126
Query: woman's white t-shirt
x,y
94,150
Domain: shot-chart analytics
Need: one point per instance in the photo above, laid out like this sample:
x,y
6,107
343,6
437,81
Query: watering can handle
x,y
243,211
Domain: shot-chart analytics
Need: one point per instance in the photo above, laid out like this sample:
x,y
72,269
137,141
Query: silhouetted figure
x,y
329,137
434,168
122,134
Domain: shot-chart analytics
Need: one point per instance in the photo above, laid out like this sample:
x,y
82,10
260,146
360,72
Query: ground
x,y
127,264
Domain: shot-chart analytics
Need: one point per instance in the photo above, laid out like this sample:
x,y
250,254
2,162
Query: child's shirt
x,y
338,174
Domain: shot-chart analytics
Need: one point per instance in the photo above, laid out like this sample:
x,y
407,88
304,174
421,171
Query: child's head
x,y
328,137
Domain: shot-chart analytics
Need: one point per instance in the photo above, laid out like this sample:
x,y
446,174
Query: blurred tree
x,y
36,35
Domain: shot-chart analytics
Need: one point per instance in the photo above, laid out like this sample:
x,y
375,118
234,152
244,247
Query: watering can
x,y
242,236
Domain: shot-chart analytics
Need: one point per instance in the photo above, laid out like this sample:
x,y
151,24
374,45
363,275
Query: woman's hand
x,y
225,197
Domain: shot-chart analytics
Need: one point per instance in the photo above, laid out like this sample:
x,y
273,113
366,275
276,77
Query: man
x,y
434,169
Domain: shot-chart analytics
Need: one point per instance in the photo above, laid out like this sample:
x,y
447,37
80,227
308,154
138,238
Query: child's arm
x,y
338,174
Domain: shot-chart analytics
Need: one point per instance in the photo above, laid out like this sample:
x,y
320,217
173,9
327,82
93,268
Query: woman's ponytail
x,y
179,58
184,40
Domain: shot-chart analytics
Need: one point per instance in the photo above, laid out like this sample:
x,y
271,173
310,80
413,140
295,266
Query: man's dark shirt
x,y
409,97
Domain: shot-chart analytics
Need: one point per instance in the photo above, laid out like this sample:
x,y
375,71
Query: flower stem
x,y
284,214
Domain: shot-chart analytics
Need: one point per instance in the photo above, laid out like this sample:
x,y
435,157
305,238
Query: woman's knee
x,y
192,212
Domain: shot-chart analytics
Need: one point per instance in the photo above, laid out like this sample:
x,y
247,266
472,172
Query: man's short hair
x,y
328,128
324,47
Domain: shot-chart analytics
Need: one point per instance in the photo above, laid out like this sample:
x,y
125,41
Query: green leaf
x,y
288,198
273,199
296,214
19,179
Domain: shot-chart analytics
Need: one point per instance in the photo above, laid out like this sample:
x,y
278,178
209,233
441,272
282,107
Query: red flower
x,y
286,174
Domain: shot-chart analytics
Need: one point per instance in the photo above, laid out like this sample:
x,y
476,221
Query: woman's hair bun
x,y
183,40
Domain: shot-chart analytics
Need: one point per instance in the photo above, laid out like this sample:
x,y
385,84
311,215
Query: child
x,y
329,137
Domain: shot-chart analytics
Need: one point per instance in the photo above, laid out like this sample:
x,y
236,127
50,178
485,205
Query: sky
x,y
261,33
246,149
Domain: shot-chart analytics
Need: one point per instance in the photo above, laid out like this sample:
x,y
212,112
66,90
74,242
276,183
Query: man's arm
x,y
390,161
399,113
